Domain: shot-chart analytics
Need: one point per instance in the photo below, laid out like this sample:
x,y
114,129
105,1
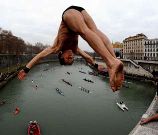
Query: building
x,y
118,49
151,49
133,47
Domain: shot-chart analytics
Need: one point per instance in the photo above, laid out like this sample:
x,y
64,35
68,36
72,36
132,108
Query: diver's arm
x,y
91,61
54,49
50,50
39,56
87,57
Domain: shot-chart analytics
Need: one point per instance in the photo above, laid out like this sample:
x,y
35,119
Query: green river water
x,y
75,113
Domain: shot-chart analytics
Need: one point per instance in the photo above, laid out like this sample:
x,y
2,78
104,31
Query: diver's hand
x,y
21,75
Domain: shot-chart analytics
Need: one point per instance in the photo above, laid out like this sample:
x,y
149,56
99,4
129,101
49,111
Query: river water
x,y
77,112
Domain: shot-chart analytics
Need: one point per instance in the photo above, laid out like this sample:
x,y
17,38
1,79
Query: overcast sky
x,y
38,20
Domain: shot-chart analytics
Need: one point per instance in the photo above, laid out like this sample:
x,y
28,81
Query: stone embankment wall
x,y
7,60
13,63
132,69
6,78
135,71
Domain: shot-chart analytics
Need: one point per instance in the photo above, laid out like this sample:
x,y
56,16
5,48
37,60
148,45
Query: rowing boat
x,y
33,128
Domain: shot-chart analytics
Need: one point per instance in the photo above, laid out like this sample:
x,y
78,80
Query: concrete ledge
x,y
145,131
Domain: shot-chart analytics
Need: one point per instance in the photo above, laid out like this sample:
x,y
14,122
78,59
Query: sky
x,y
39,20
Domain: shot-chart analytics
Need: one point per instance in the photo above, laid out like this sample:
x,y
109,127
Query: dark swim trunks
x,y
72,7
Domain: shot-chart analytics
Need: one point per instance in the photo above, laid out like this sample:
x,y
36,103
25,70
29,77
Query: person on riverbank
x,y
76,21
149,119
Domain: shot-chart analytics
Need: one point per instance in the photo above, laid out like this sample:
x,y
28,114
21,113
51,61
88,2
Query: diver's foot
x,y
116,75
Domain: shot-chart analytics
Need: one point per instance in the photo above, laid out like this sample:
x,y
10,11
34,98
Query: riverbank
x,y
134,73
7,77
6,74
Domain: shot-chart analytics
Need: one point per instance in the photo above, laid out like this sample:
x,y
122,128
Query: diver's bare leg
x,y
91,24
76,22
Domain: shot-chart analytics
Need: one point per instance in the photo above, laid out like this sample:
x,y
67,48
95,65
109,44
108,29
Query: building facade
x,y
151,49
133,47
118,49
